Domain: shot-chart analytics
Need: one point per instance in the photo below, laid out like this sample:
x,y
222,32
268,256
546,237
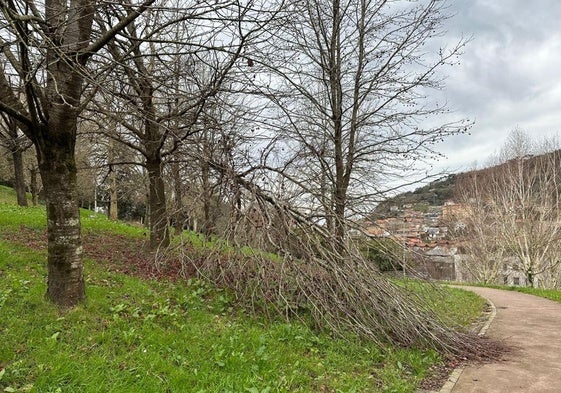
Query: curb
x,y
453,378
490,319
457,372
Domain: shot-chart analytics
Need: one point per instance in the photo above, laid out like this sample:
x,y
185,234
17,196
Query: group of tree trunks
x,y
310,103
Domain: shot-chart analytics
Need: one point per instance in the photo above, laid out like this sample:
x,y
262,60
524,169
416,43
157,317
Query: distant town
x,y
415,226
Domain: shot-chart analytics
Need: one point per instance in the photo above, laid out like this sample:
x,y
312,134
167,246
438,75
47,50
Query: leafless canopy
x,y
513,222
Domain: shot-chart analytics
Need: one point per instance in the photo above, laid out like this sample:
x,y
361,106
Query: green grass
x,y
136,335
462,307
13,216
97,222
8,195
551,294
453,304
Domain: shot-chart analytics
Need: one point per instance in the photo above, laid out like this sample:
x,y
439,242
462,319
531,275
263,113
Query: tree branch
x,y
111,33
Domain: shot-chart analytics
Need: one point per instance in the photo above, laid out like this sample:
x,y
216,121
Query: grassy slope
x,y
153,336
552,294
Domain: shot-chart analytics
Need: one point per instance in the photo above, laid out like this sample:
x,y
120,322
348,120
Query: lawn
x,y
551,294
140,334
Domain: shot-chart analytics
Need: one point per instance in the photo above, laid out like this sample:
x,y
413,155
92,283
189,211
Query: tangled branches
x,y
294,269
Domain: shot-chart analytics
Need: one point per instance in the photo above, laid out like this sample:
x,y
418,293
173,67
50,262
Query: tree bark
x,y
113,204
49,116
57,166
179,214
208,224
19,177
17,160
159,231
530,278
34,188
336,102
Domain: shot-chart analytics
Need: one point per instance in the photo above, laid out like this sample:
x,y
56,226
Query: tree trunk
x,y
326,197
178,214
208,223
58,172
530,278
336,102
17,158
339,218
113,204
159,232
19,177
34,188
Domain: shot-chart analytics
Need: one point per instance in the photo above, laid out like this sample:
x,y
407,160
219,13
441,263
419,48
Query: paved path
x,y
530,324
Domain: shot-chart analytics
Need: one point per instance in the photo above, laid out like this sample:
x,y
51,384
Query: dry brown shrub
x,y
294,269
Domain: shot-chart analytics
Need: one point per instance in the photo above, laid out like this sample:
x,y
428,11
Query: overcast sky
x,y
509,76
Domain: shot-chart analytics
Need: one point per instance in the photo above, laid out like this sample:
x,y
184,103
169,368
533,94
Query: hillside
x,y
147,328
432,194
439,191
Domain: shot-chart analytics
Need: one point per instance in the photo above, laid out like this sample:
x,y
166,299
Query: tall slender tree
x,y
171,63
47,48
16,143
352,93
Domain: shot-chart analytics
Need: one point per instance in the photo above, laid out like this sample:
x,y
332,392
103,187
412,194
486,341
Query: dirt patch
x,y
438,375
117,253
495,351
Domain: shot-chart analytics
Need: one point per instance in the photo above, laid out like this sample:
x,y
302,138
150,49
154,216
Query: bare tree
x,y
515,210
334,286
474,226
352,94
528,201
46,48
16,143
171,63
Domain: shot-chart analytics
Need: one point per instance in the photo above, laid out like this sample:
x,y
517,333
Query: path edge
x,y
457,372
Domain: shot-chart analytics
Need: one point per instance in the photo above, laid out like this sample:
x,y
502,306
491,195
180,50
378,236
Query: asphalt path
x,y
531,327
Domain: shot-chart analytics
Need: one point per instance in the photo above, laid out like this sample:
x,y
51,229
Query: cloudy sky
x,y
510,75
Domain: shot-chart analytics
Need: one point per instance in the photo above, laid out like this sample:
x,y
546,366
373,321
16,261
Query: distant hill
x,y
441,190
432,194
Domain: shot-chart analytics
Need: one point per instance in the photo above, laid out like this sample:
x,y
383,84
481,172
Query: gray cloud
x,y
509,76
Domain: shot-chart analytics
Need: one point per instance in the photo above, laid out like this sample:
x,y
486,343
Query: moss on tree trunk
x,y
58,171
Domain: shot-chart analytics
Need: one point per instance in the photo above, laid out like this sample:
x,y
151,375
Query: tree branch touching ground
x,y
293,269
